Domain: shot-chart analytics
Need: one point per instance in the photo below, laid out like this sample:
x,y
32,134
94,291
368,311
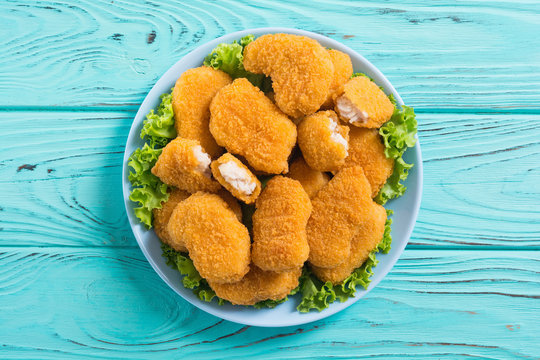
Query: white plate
x,y
405,208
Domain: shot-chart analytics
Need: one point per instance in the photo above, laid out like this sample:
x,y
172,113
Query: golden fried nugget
x,y
368,234
247,123
234,176
218,243
323,142
162,216
301,70
312,180
343,71
337,212
367,150
361,103
184,164
232,202
191,98
258,285
279,226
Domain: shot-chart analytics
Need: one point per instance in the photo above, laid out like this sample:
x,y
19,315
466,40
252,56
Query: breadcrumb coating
x,y
162,216
337,212
246,122
343,71
312,180
368,234
279,226
191,98
232,202
361,103
179,166
323,142
258,285
301,70
217,242
367,150
241,179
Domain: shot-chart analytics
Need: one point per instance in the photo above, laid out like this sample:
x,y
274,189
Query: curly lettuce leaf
x,y
158,127
229,58
149,192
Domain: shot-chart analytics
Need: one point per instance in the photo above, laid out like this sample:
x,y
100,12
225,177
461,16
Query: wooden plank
x,y
63,186
469,55
108,303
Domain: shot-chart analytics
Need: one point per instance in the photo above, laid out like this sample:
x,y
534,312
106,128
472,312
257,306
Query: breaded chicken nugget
x,y
300,68
312,180
367,150
218,243
236,177
191,98
162,216
323,142
361,103
368,234
184,164
247,123
232,202
258,285
343,71
279,226
337,212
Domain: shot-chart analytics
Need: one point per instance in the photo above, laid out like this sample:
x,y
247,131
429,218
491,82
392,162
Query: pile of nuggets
x,y
317,208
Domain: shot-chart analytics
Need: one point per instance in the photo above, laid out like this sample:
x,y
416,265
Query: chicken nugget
x,y
234,176
301,70
258,285
337,212
343,71
232,202
191,98
322,141
247,123
368,234
367,150
217,242
162,216
312,180
279,226
361,103
184,163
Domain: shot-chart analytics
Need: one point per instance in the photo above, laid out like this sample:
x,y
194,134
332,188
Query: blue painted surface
x,y
73,282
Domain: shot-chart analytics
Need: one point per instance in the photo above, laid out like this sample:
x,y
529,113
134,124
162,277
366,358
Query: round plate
x,y
405,208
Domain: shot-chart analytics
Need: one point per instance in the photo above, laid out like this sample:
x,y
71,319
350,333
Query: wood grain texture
x,y
61,171
109,303
464,55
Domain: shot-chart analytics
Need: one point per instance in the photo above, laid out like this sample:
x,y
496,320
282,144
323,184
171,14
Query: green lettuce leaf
x,y
229,58
158,127
149,192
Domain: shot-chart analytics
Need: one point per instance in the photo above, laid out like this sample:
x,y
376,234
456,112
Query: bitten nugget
x,y
258,285
191,98
301,70
218,243
343,71
323,142
312,180
247,123
184,164
162,216
236,177
368,234
337,212
279,226
367,150
363,104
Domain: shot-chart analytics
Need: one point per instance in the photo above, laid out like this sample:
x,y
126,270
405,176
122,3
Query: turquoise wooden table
x,y
73,282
